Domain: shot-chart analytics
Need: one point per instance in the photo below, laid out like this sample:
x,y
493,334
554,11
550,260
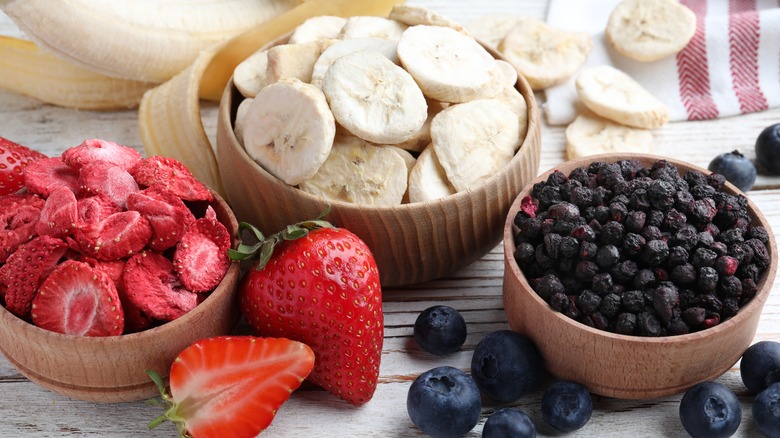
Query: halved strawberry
x,y
166,213
14,158
46,174
102,177
18,217
117,236
153,286
232,386
59,214
78,300
135,319
170,174
101,150
201,258
26,268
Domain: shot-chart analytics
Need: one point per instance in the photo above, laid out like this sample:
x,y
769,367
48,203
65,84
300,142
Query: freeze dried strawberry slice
x,y
26,268
117,236
166,213
19,215
77,299
102,177
101,150
46,174
201,258
96,209
154,287
172,175
59,214
135,319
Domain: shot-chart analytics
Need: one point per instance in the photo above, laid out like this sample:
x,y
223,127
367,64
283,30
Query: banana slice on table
x,y
613,94
427,180
374,99
411,15
649,30
340,48
250,75
289,130
317,28
475,140
293,60
491,29
371,27
241,111
590,134
361,173
544,55
449,66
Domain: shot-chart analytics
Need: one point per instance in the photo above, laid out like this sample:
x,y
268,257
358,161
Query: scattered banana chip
x,y
491,30
649,30
318,28
411,15
293,60
241,111
358,172
371,27
545,56
374,99
590,134
340,48
614,95
474,140
449,66
289,130
250,75
427,180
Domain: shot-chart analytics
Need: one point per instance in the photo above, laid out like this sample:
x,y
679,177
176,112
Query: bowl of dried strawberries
x,y
111,265
637,276
423,168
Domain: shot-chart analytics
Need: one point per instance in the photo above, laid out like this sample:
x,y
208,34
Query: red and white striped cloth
x,y
731,65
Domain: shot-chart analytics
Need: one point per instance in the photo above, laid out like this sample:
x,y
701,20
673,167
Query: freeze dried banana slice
x,y
250,75
374,99
492,29
449,66
410,161
544,55
294,60
289,130
318,28
411,15
508,73
340,48
422,138
361,173
427,180
241,111
371,27
475,140
613,94
590,134
516,102
649,30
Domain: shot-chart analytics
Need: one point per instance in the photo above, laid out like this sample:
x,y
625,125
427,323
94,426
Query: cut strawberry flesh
x,y
166,213
44,175
102,177
170,174
117,236
101,150
135,319
96,209
59,215
153,286
18,218
78,300
201,258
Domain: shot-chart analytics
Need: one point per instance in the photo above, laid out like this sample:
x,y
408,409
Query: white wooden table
x,y
27,410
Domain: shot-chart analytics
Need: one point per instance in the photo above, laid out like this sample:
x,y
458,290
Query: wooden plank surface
x,y
27,410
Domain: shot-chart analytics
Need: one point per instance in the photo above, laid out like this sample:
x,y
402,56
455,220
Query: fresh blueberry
x,y
506,365
566,406
760,366
509,423
766,411
444,402
440,330
768,148
737,169
710,410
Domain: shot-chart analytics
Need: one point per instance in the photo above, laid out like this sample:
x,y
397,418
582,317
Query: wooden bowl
x,y
113,369
411,243
622,366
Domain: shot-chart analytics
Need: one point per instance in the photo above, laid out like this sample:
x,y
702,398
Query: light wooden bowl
x,y
621,366
411,243
113,369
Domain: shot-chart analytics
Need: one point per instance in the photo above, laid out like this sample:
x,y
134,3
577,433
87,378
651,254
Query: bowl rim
x,y
755,304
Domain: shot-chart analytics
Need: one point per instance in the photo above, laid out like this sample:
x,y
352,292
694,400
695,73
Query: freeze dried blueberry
x,y
677,327
694,316
638,200
601,214
542,259
633,301
602,283
703,257
531,228
654,218
707,280
564,211
730,286
609,175
548,285
730,307
612,233
596,320
624,271
600,195
588,301
648,324
654,253
625,323
524,253
760,253
733,235
742,252
716,180
665,299
726,265
704,239
749,271
687,298
694,177
552,244
651,232
710,303
588,250
684,201
644,278
584,233
677,256
758,232
719,248
560,302
749,288
661,194
550,195
569,247
686,237
581,197
557,178
633,244
564,228
660,273
635,221
607,256
683,274
585,270
610,305
567,264
580,174
674,220
629,168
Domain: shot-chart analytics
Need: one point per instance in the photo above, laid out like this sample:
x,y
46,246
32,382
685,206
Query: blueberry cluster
x,y
640,250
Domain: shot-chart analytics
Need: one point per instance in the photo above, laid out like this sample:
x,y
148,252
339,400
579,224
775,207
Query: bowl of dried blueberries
x,y
637,276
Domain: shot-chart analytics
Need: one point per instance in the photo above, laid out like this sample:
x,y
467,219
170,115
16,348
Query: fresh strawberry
x,y
26,268
166,213
201,258
46,174
231,387
102,177
320,287
19,216
101,150
153,286
76,299
170,174
59,215
14,158
135,319
117,236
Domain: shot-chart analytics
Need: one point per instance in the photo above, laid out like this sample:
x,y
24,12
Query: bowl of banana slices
x,y
416,135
